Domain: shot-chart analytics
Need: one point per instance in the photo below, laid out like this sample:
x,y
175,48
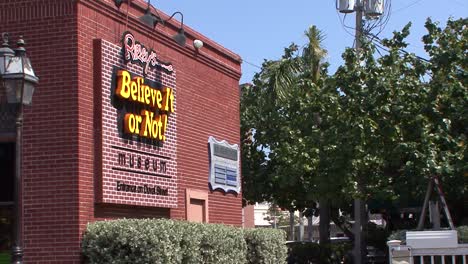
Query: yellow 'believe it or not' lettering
x,y
147,124
135,90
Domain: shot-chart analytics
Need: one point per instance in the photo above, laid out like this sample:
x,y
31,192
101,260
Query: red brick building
x,y
112,134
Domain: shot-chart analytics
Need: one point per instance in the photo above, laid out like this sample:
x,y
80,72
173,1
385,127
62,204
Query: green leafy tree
x,y
377,129
276,108
402,119
448,101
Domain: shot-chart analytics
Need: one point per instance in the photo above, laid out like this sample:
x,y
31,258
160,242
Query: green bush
x,y
462,234
265,246
166,241
222,244
133,241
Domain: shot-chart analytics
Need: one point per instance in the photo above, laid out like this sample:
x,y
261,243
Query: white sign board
x,y
224,165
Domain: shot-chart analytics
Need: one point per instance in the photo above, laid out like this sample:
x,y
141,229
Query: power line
x,y
382,20
343,24
371,24
407,6
382,46
460,3
251,64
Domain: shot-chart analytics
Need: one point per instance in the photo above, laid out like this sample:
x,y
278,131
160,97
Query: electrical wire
x,y
401,50
251,64
342,21
374,38
370,24
382,21
378,49
460,3
126,16
343,24
407,6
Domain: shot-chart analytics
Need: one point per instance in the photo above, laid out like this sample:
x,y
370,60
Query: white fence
x,y
403,254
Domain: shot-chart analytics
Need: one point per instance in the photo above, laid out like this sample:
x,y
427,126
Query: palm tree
x,y
313,54
296,67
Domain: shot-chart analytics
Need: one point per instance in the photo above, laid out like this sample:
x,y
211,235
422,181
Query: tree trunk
x,y
360,224
291,226
324,227
310,228
301,227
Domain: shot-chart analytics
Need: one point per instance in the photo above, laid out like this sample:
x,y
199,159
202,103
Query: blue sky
x,y
260,29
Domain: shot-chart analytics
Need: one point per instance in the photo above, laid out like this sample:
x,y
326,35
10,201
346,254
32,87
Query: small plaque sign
x,y
224,165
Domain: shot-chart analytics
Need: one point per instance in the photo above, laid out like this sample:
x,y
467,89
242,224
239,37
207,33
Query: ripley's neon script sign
x,y
155,106
136,52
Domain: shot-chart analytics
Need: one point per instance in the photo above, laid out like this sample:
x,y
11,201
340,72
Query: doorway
x,y
197,206
7,165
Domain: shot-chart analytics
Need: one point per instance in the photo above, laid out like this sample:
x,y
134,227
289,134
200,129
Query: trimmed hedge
x,y
265,246
162,241
221,244
133,241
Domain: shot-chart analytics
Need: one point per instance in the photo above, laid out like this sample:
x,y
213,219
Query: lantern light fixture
x,y
17,75
152,20
18,79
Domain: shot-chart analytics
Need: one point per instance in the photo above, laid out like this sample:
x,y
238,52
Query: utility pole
x,y
373,9
360,212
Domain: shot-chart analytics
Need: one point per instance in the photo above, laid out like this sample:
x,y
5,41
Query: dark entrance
x,y
7,165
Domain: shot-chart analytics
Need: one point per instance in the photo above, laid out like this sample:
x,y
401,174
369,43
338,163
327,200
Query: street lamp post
x,y
18,79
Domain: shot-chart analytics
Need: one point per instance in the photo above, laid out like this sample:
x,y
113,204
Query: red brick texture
x,y
69,128
249,216
51,158
155,165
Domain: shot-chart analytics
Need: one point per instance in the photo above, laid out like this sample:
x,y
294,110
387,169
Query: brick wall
x,y
50,139
62,127
133,160
207,96
249,216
